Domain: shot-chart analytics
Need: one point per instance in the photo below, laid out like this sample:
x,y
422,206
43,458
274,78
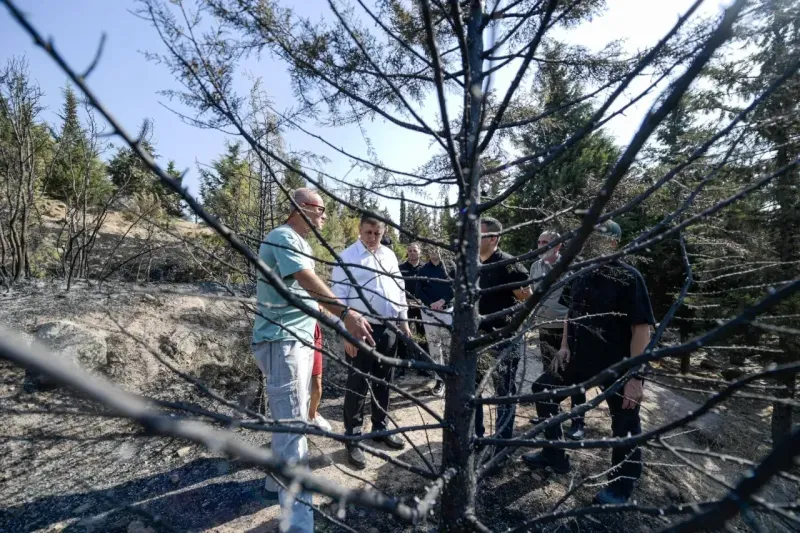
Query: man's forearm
x,y
564,335
640,338
317,289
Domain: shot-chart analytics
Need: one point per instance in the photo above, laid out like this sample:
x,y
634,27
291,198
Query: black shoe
x,y
537,460
611,496
392,441
438,389
356,457
575,431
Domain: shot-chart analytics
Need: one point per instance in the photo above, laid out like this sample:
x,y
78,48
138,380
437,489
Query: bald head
x,y
309,202
306,195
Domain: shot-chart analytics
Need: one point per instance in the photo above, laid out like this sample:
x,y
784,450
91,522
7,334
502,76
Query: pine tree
x,y
72,155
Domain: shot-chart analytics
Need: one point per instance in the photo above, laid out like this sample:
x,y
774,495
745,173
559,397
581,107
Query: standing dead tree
x,y
22,162
381,63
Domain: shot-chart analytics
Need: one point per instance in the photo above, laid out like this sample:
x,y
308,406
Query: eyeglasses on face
x,y
320,208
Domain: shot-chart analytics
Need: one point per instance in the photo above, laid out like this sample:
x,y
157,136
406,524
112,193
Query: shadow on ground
x,y
161,501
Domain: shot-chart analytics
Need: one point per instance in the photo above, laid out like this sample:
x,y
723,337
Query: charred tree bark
x,y
458,497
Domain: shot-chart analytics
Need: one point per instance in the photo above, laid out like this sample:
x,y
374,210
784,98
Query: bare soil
x,y
74,472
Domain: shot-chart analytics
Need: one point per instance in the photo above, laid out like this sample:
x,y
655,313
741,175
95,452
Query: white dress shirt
x,y
386,295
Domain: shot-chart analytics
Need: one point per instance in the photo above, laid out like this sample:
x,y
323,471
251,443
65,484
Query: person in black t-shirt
x,y
492,302
609,319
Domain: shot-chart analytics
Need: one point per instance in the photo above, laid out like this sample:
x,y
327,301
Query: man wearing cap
x,y
609,319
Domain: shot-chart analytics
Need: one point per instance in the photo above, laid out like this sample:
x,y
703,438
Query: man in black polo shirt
x,y
494,301
609,319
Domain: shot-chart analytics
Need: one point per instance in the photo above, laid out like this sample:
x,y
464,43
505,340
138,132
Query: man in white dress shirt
x,y
383,286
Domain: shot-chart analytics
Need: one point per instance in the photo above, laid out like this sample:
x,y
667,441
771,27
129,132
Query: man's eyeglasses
x,y
320,208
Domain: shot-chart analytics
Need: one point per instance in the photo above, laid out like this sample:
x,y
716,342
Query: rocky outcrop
x,y
72,343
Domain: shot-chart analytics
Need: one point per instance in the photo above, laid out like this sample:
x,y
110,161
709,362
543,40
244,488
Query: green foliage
x,y
132,176
564,182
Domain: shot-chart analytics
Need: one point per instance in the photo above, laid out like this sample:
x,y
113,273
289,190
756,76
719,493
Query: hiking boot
x,y
575,431
612,496
394,442
356,457
541,461
438,389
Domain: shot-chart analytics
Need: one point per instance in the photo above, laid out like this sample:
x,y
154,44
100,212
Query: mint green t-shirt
x,y
285,261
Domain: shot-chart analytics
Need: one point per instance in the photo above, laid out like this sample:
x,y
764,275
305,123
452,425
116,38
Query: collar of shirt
x,y
362,248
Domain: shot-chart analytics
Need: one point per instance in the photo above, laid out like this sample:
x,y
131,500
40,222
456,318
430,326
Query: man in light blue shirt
x,y
283,337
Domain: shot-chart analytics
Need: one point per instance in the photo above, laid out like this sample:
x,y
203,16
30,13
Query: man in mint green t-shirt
x,y
283,335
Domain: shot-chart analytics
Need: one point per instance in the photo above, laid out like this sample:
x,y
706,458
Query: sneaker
x,y
321,423
438,389
538,460
575,431
609,496
356,457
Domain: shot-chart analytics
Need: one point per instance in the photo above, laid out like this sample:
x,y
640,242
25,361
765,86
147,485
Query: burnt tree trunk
x,y
458,497
788,227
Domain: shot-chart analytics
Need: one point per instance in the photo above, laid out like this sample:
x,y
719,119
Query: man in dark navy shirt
x,y
609,319
502,287
410,270
435,293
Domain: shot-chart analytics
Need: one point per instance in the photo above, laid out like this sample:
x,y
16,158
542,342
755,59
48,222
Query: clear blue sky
x,y
128,84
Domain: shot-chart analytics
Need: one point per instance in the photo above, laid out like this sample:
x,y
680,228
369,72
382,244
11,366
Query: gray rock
x,y
183,452
72,343
710,429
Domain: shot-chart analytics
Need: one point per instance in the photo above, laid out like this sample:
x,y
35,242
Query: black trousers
x,y
505,384
549,345
358,387
403,350
623,423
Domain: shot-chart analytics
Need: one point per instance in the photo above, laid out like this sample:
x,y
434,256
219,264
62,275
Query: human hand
x,y
405,329
350,349
560,361
357,325
632,393
437,305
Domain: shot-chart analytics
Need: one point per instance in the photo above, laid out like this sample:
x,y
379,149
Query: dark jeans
x,y
549,344
504,379
358,387
623,423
